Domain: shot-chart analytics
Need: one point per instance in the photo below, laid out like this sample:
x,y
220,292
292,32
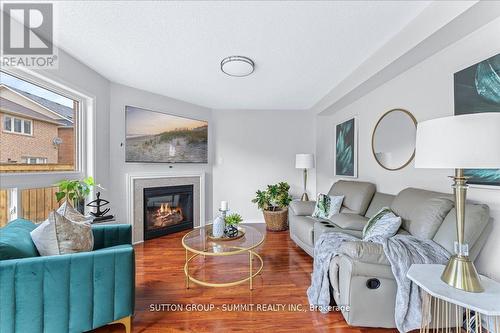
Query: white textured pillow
x,y
384,224
59,235
327,206
69,212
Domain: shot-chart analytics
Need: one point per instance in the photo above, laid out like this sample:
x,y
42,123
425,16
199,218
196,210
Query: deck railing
x,y
35,204
23,167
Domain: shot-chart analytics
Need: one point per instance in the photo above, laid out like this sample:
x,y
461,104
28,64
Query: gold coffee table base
x,y
251,255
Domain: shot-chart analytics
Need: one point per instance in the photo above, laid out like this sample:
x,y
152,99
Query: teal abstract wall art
x,y
346,149
477,89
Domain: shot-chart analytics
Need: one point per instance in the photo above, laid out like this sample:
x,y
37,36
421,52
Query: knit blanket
x,y
401,251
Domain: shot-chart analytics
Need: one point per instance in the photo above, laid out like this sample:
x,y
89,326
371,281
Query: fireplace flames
x,y
167,215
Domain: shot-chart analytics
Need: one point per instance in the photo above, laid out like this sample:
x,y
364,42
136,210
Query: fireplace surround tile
x,y
136,185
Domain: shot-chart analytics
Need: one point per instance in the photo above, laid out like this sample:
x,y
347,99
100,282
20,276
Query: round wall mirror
x,y
393,139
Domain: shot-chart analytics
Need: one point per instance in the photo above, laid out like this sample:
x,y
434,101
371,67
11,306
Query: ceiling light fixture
x,y
237,66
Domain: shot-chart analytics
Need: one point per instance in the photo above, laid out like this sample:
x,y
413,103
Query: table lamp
x,y
304,161
460,142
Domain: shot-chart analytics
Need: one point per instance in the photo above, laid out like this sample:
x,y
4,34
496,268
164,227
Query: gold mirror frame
x,y
373,138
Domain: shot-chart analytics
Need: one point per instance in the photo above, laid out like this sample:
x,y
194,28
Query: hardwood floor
x,y
283,281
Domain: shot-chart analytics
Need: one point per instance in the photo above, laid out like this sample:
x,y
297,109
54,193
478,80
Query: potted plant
x,y
75,191
232,221
274,203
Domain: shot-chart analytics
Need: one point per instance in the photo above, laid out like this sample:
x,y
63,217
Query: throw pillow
x,y
69,212
15,240
59,235
327,206
384,224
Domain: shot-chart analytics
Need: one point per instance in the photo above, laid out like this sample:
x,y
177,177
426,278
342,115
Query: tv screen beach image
x,y
159,137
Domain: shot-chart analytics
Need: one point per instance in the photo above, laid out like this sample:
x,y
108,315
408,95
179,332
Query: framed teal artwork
x,y
346,149
476,90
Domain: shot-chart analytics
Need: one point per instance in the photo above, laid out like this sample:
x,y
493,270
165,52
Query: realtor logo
x,y
27,35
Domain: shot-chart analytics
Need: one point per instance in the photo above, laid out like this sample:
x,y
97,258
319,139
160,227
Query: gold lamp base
x,y
305,197
460,273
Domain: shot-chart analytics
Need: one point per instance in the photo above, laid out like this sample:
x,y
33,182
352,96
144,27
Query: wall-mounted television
x,y
157,137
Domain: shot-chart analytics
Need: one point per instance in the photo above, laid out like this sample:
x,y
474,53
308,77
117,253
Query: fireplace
x,y
167,210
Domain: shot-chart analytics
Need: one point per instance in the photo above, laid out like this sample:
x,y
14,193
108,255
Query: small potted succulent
x,y
75,191
232,221
274,203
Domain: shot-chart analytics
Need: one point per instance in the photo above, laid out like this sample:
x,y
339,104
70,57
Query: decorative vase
x,y
80,205
231,231
218,227
276,220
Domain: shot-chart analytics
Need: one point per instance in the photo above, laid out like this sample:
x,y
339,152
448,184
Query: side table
x,y
444,305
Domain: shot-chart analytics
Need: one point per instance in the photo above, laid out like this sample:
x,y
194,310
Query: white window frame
x,y
23,121
84,135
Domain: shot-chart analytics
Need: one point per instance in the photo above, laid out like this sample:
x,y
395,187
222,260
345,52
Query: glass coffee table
x,y
198,242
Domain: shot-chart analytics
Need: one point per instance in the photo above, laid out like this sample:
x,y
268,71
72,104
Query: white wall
x,y
425,90
78,76
119,97
255,148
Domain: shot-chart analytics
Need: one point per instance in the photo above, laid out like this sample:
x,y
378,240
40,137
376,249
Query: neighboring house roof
x,y
14,108
64,114
62,110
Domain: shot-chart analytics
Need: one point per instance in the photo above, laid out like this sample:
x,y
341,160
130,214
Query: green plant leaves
x,y
233,219
60,195
75,189
274,198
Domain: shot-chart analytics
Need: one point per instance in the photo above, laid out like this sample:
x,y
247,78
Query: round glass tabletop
x,y
198,241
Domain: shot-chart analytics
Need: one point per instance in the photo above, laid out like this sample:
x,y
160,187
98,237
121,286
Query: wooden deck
x,y
284,280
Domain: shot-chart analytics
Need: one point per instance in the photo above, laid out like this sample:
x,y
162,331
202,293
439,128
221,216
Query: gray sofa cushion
x,y
476,219
368,252
379,201
349,221
324,226
302,227
302,208
357,195
422,211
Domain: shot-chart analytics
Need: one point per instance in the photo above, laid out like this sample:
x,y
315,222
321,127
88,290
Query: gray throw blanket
x,y
401,251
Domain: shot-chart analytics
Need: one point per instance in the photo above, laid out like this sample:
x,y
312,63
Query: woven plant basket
x,y
276,220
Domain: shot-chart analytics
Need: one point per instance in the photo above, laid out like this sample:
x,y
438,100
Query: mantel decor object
x,y
460,142
100,215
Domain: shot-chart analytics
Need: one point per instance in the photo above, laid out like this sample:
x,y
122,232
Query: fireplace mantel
x,y
135,182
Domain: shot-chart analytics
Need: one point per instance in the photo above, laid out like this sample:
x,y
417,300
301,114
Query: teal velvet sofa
x,y
66,293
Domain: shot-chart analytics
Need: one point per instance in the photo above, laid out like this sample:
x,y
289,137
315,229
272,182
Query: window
x,y
47,134
45,123
7,124
35,160
27,127
17,125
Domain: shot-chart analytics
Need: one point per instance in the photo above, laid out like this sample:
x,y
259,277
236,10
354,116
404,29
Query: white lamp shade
x,y
304,161
459,142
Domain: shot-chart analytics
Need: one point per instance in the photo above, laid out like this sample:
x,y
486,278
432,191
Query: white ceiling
x,y
302,49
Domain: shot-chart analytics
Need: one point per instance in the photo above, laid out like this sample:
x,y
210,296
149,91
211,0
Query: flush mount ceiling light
x,y
237,66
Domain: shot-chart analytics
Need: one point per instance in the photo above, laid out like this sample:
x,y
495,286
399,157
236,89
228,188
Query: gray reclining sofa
x,y
425,214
